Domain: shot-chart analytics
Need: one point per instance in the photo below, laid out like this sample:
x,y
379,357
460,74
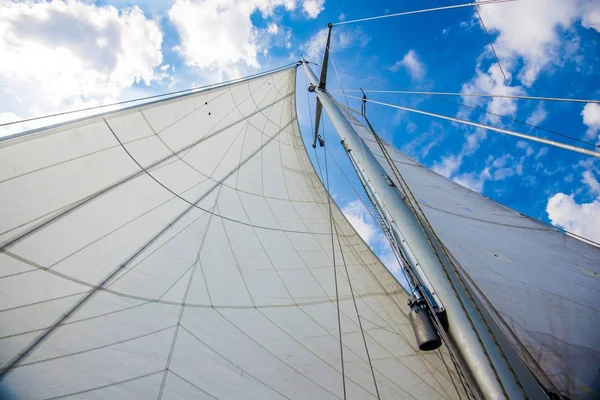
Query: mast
x,y
492,366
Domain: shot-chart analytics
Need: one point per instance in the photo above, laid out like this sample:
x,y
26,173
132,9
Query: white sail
x,y
184,249
544,284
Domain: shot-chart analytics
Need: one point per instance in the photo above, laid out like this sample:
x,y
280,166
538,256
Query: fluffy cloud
x,y
412,64
360,219
591,118
528,30
366,227
313,8
493,82
218,35
64,54
342,39
580,218
538,115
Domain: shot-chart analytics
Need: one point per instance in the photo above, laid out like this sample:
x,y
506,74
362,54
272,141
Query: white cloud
x,y
451,163
412,64
592,183
313,8
340,40
448,166
528,30
582,219
537,116
360,219
491,82
591,118
591,15
61,55
219,34
366,227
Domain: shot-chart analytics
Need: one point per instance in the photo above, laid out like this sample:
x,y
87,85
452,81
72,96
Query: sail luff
x,y
469,330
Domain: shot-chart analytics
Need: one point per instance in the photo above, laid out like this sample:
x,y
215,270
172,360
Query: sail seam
x,y
105,386
190,383
112,186
182,309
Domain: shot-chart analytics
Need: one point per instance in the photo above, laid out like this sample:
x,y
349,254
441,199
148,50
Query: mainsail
x,y
187,249
542,283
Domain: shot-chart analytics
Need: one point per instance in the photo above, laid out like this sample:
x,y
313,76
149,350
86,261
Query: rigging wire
x,y
147,97
421,11
362,331
506,117
490,42
540,98
335,277
487,127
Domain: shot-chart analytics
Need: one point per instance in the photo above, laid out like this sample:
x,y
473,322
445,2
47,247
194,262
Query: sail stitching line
x,y
173,303
281,280
191,384
104,386
324,329
94,348
273,354
421,218
75,321
104,190
21,355
182,309
158,248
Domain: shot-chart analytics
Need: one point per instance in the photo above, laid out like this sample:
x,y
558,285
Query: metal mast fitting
x,y
487,358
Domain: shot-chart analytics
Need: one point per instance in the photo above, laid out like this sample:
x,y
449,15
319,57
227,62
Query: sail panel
x,y
543,283
203,234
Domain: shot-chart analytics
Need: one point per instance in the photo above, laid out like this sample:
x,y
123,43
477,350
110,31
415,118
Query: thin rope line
x,y
148,97
337,296
508,118
182,308
421,11
339,80
490,42
362,331
540,98
490,128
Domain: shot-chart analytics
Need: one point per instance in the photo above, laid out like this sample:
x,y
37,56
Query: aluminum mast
x,y
493,367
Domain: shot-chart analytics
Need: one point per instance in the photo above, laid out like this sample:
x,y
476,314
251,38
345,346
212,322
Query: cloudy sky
x,y
63,55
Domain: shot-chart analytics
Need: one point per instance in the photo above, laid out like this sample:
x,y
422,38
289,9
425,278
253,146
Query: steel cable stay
x,y
487,127
439,95
399,14
463,94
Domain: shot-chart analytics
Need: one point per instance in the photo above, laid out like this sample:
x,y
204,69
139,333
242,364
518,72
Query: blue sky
x,y
67,55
